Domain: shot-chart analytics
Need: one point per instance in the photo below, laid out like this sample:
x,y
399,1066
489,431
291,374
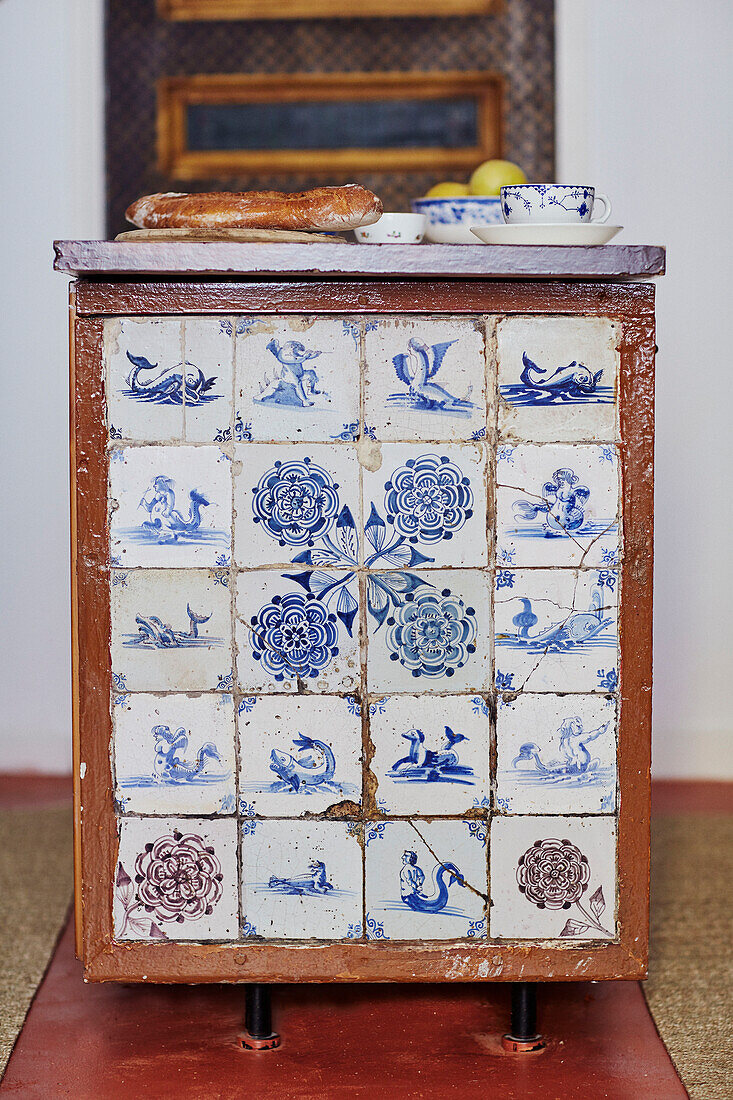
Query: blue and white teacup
x,y
551,204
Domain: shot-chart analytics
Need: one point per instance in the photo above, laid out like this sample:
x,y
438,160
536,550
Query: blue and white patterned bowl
x,y
450,220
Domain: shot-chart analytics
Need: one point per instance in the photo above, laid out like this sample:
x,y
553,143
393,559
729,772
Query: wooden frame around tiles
x,y
632,307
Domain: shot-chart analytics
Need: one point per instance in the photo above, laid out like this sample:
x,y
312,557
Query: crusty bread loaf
x,y
334,208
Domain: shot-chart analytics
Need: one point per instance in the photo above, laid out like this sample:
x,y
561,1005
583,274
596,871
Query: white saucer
x,y
535,233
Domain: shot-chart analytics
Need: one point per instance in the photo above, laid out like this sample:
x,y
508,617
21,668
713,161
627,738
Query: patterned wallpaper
x,y
517,41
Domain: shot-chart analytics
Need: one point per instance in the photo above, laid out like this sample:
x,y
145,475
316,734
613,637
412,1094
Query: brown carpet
x,y
689,988
35,890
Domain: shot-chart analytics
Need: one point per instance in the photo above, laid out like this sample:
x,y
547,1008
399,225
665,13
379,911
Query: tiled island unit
x,y
362,548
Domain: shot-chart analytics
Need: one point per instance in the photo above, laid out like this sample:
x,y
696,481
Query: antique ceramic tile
x,y
556,754
426,880
171,630
426,505
425,379
556,630
209,379
557,505
429,630
298,754
301,880
296,504
174,754
557,378
170,506
553,877
297,378
176,879
431,753
297,627
144,378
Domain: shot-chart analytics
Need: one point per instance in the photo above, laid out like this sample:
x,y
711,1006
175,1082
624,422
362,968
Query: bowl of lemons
x,y
452,208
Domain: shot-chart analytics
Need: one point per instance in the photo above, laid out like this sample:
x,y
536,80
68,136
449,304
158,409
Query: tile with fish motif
x,y
426,506
428,630
556,754
144,378
299,754
425,379
426,880
297,379
296,505
300,627
176,879
209,379
170,506
301,880
557,378
174,754
553,878
171,630
558,505
431,753
556,630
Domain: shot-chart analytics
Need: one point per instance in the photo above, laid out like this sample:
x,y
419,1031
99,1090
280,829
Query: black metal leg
x,y
523,1035
258,1019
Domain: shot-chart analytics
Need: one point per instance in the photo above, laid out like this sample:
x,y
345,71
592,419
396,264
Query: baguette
x,y
329,208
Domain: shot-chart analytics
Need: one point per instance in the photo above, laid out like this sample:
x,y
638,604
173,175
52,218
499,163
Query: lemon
x,y
492,175
447,190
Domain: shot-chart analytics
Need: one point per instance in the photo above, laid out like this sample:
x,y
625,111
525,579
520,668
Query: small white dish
x,y
393,229
587,233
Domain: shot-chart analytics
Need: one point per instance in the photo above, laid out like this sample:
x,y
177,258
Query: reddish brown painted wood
x,y
691,796
102,1042
387,261
29,790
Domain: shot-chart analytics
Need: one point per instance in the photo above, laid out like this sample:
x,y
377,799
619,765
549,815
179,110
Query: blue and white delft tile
x,y
175,754
556,630
426,379
209,379
298,379
296,506
300,626
299,754
302,880
426,880
431,753
553,878
171,630
171,506
558,378
556,754
429,630
144,378
426,506
176,879
558,505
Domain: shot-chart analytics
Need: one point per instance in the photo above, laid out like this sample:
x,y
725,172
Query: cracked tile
x,y
143,364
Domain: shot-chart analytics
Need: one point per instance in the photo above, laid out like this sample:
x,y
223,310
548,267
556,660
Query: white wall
x,y
644,113
51,185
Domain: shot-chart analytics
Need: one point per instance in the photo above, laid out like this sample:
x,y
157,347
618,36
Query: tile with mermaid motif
x,y
298,754
301,880
556,754
297,379
171,630
426,880
297,628
174,753
429,630
556,630
145,377
296,506
209,348
430,753
170,506
176,879
557,505
426,379
553,878
426,506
